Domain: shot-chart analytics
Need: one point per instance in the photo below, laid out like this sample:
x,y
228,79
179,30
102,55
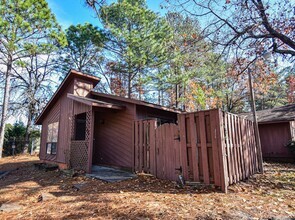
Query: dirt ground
x,y
30,193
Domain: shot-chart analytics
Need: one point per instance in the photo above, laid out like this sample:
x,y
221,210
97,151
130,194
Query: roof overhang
x,y
72,74
275,122
134,101
94,102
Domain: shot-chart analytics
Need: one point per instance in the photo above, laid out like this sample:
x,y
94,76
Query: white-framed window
x,y
52,136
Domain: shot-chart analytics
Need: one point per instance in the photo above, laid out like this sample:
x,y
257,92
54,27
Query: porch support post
x,y
90,126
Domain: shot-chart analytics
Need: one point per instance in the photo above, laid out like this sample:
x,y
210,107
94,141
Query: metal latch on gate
x,y
177,137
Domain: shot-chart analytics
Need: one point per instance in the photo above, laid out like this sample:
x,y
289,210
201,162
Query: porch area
x,y
85,125
109,174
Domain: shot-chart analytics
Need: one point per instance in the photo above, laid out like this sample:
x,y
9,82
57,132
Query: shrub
x,y
291,146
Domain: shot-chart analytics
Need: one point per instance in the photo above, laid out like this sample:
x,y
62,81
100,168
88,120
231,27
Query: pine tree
x,y
24,25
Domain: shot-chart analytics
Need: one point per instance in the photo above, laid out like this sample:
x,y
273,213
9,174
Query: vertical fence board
x,y
238,147
230,153
204,148
152,128
144,145
226,139
252,145
222,150
216,157
235,165
133,148
250,148
193,137
183,150
140,146
234,144
244,146
232,148
254,148
158,146
242,169
168,151
136,147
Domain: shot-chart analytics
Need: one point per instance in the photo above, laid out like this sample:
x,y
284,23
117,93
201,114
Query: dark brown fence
x,y
211,146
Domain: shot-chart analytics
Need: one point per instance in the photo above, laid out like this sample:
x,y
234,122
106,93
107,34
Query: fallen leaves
x,y
263,196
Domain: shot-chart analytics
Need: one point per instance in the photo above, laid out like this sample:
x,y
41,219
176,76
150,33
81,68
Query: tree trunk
x,y
159,97
184,95
5,103
176,96
27,136
129,85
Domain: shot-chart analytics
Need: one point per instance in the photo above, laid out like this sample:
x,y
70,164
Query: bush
x,y
291,146
15,134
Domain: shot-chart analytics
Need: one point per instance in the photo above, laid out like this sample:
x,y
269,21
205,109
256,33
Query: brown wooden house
x,y
276,129
81,127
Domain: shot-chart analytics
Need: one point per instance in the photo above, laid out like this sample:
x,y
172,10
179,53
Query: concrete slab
x,y
8,207
109,174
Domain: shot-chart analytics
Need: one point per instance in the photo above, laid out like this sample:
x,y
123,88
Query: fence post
x,y
153,156
183,150
214,140
222,153
256,129
194,146
204,150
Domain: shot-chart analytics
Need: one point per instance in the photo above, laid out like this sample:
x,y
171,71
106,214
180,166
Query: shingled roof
x,y
277,114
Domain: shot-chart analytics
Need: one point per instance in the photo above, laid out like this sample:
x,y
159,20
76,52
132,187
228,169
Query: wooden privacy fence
x,y
212,147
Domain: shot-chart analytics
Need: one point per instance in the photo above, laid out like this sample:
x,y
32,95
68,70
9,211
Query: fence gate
x,y
167,151
156,149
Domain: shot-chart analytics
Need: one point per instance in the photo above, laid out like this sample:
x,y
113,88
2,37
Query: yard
x,y
30,193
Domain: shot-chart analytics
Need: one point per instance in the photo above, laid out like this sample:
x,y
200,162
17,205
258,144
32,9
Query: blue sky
x,y
70,12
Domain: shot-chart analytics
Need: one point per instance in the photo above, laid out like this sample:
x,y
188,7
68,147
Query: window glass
x,y
48,150
54,132
49,133
80,126
53,148
52,136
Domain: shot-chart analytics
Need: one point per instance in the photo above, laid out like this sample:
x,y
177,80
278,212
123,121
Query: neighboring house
x,y
81,127
276,129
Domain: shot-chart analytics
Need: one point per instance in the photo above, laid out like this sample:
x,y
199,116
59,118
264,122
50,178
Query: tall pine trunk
x,y
129,84
5,103
28,128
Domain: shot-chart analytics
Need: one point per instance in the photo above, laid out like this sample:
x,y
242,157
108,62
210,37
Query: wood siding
x,y
113,144
82,87
64,106
62,111
113,137
274,138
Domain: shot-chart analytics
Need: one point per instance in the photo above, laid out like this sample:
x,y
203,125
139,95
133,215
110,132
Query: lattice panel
x,y
88,125
73,121
79,149
79,155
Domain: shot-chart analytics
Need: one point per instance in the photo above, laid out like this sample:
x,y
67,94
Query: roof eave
x,y
134,101
94,79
